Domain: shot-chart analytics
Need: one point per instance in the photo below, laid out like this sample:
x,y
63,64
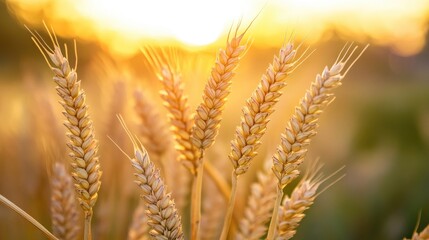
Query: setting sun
x,y
122,26
192,22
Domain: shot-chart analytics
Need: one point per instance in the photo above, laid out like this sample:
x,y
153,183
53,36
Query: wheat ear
x,y
180,118
291,211
65,218
176,102
83,145
163,219
139,230
259,207
259,107
255,119
156,138
209,112
423,235
302,126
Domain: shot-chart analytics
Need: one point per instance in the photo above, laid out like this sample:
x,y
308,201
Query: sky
x,y
121,26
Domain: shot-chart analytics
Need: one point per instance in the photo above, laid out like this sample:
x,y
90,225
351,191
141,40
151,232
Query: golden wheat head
x,y
163,217
65,217
83,145
209,112
302,126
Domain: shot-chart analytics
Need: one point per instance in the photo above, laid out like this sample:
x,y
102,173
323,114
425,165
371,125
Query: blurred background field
x,y
378,127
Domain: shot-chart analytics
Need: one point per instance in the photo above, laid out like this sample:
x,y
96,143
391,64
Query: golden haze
x,y
124,26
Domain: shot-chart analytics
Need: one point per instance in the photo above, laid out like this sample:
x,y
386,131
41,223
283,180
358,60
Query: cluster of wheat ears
x,y
270,213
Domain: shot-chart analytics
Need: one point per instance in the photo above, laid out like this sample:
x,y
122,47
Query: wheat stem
x,y
230,208
27,217
197,184
273,223
259,209
218,180
87,231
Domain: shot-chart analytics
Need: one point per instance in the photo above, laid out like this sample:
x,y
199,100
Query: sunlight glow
x,y
122,26
190,21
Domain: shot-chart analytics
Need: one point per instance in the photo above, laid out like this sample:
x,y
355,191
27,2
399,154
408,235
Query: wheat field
x,y
197,145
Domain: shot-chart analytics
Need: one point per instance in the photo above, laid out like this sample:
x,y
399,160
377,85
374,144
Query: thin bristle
x,y
341,54
41,48
75,55
128,132
330,184
302,57
355,60
119,147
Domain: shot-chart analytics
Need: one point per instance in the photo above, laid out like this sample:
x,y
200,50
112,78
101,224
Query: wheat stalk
x,y
259,207
64,213
254,121
11,205
302,126
83,145
213,209
163,219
